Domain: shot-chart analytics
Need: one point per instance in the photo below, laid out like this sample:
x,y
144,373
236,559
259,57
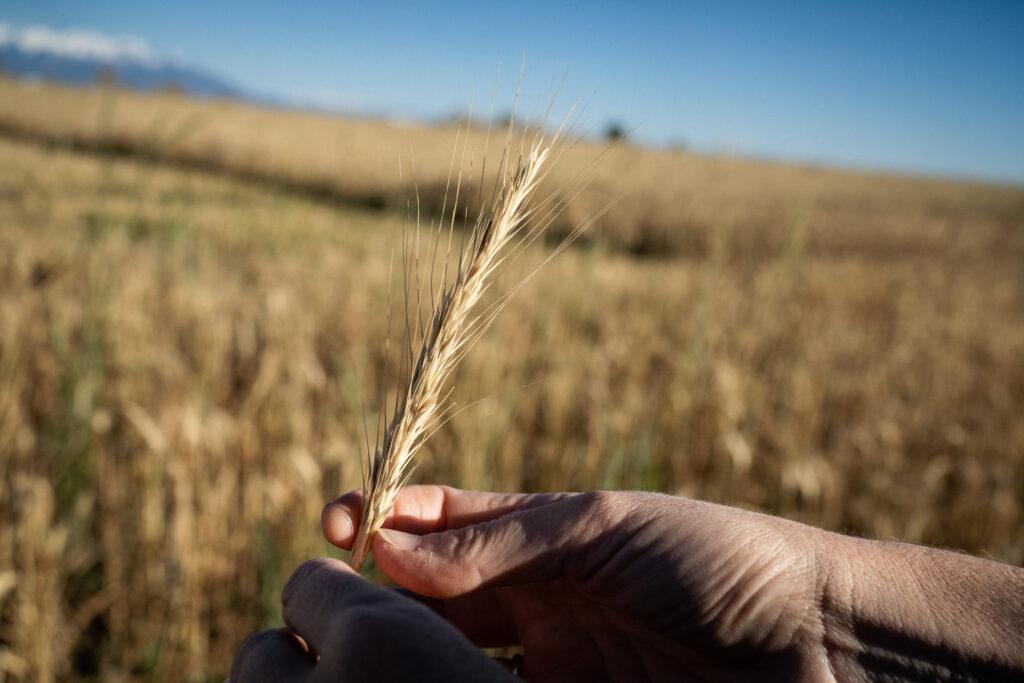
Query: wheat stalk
x,y
452,328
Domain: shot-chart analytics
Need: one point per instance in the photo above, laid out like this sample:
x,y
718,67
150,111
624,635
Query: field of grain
x,y
193,300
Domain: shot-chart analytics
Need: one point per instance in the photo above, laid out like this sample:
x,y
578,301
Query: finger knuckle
x,y
464,543
601,509
256,641
459,556
252,652
301,577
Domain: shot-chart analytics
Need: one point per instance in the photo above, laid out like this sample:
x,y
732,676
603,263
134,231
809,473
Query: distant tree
x,y
615,131
174,89
107,76
678,145
454,117
504,119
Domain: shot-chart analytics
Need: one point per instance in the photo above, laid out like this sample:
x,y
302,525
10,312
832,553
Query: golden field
x,y
193,298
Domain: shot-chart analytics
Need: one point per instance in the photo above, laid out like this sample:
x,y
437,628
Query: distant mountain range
x,y
83,57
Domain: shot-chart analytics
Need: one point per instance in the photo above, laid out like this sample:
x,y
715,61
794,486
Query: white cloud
x,y
80,43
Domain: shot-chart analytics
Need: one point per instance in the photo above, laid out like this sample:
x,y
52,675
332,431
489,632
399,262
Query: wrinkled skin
x,y
601,586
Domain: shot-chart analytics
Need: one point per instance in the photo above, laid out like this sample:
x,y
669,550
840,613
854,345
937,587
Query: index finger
x,y
429,509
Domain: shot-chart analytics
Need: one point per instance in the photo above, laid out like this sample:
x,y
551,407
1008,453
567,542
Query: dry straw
x,y
504,227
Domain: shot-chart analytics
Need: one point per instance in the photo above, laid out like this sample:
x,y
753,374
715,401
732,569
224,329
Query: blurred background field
x,y
185,331
194,290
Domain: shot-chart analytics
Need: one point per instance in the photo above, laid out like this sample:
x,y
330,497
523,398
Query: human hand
x,y
634,586
343,628
598,586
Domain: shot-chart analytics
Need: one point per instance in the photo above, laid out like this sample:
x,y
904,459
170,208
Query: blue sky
x,y
918,86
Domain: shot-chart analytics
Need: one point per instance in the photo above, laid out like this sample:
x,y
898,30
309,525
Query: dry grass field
x,y
193,299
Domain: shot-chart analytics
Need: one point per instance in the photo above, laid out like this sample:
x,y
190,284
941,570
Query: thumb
x,y
561,540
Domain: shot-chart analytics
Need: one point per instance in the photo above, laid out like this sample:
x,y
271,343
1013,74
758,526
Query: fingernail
x,y
399,539
337,523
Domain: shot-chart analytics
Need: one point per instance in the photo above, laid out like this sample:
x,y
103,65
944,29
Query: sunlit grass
x,y
182,357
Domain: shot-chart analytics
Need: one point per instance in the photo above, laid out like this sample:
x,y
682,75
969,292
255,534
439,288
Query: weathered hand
x,y
343,628
635,586
632,586
600,586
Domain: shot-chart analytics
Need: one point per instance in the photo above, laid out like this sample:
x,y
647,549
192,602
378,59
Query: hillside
x,y
665,202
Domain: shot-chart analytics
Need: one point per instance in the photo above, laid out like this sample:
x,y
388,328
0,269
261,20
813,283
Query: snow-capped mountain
x,y
82,57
